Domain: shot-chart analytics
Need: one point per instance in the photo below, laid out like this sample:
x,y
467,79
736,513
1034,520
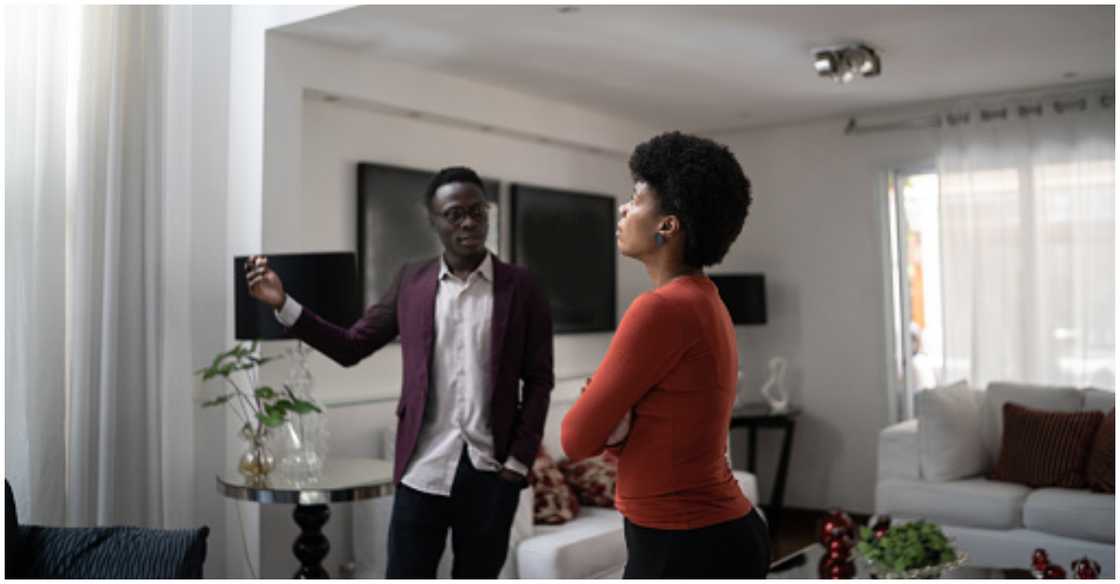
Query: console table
x,y
753,416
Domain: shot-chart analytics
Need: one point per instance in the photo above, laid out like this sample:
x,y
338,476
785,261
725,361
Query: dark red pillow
x,y
1045,449
592,479
553,500
1100,472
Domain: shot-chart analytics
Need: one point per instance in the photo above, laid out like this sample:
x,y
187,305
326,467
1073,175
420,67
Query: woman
x,y
671,370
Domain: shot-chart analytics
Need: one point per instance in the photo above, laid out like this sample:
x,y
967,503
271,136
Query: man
x,y
472,330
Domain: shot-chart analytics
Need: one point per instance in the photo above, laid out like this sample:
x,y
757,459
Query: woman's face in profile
x,y
638,222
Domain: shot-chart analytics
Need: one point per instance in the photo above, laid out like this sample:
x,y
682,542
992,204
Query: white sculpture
x,y
774,390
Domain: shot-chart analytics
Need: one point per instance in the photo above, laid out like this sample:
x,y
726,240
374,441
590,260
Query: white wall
x,y
310,204
814,231
208,295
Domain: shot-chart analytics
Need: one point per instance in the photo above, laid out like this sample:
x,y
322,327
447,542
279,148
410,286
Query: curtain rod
x,y
959,117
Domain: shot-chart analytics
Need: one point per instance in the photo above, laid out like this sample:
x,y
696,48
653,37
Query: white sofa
x,y
591,545
998,524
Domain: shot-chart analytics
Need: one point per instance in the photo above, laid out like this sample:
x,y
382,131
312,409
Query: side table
x,y
342,479
753,416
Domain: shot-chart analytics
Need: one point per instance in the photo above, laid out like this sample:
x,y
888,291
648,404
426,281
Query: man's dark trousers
x,y
479,513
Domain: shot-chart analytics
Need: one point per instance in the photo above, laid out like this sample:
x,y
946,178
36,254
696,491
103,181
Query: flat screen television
x,y
393,224
744,295
567,240
327,283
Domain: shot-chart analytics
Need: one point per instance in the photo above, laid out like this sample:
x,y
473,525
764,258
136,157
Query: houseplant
x,y
910,550
260,408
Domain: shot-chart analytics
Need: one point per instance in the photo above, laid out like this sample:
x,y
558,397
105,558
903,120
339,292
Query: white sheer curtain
x,y
38,44
1028,222
101,430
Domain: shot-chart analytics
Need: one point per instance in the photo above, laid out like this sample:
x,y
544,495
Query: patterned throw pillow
x,y
1045,449
553,500
592,479
1100,473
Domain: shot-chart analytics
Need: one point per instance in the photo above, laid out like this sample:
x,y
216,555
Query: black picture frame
x,y
567,240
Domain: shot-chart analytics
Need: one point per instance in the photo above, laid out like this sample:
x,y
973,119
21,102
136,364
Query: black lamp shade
x,y
326,283
744,295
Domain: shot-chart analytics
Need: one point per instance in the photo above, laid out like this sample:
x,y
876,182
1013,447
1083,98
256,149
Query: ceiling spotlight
x,y
843,64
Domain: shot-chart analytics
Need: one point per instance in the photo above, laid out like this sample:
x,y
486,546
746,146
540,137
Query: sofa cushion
x,y
1039,397
591,545
898,451
1100,471
114,552
592,479
950,445
1100,400
1073,513
973,502
554,502
1045,449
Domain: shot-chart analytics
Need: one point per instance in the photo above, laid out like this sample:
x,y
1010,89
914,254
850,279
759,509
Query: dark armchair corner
x,y
33,551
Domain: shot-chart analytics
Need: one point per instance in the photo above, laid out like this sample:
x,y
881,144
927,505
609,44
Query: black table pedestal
x,y
311,546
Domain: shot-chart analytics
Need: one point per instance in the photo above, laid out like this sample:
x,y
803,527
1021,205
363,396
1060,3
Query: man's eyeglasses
x,y
457,215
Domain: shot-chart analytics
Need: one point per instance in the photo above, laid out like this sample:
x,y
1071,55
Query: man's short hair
x,y
451,174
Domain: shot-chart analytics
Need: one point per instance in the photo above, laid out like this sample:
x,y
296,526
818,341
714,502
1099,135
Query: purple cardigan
x,y
521,354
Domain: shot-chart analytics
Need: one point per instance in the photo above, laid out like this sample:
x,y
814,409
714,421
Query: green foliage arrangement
x,y
906,548
258,407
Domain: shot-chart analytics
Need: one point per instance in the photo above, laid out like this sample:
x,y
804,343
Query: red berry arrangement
x,y
837,535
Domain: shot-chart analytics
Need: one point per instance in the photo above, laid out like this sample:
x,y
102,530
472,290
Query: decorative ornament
x,y
879,525
835,568
1053,572
1085,568
1039,560
840,547
774,390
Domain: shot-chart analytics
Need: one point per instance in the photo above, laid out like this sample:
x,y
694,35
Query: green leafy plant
x,y
258,407
906,547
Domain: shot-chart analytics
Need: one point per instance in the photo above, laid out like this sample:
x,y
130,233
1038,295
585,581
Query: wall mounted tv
x,y
744,295
567,240
393,224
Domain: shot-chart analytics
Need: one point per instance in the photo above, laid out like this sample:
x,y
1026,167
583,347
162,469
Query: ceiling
x,y
716,68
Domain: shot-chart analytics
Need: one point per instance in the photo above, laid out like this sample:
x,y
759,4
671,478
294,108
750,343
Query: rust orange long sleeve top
x,y
673,362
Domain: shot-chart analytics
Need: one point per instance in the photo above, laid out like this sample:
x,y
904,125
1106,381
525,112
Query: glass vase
x,y
257,460
304,435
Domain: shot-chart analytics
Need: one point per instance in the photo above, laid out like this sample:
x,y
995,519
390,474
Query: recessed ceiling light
x,y
568,9
845,63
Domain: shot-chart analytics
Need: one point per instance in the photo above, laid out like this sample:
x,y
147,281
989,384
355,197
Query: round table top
x,y
342,479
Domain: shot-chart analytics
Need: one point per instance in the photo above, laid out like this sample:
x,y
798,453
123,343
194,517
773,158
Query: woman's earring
x,y
658,239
